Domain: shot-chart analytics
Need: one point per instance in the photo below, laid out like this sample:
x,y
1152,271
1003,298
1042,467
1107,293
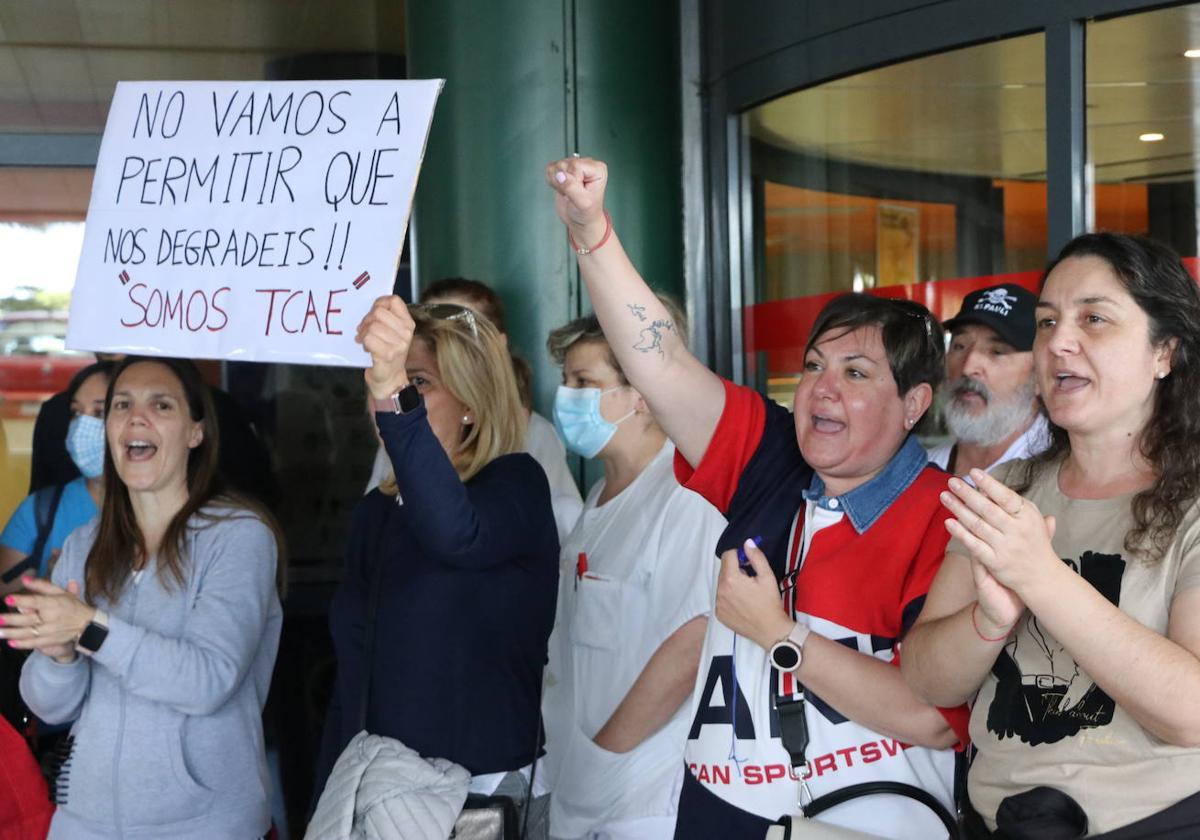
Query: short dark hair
x,y
483,297
912,338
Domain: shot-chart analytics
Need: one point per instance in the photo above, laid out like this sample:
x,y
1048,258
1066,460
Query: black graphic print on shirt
x,y
1052,698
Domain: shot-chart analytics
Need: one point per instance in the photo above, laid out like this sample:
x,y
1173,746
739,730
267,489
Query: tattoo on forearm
x,y
638,311
650,339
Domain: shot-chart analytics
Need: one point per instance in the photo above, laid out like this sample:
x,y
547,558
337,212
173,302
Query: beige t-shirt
x,y
1040,720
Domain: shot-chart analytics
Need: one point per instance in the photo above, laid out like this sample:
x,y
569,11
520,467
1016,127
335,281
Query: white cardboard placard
x,y
249,221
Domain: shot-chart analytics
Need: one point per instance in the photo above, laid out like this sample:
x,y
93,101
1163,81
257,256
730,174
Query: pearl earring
x,y
1162,374
466,419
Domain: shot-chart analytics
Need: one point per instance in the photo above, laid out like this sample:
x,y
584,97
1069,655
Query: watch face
x,y
408,398
92,637
785,656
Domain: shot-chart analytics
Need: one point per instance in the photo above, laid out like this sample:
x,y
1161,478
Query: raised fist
x,y
386,332
579,185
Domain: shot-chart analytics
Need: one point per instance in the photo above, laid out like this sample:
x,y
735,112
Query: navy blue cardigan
x,y
467,604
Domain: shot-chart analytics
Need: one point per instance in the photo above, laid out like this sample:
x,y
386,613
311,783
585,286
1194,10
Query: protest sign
x,y
250,221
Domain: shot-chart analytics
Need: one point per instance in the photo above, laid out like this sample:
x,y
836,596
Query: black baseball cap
x,y
1007,309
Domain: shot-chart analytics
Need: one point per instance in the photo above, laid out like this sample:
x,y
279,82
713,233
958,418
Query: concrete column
x,y
526,83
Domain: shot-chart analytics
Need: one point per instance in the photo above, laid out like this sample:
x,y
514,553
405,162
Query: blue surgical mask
x,y
579,421
85,444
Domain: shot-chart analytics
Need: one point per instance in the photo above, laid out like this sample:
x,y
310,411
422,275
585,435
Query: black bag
x,y
1041,813
52,750
487,818
793,825
11,705
1045,813
45,507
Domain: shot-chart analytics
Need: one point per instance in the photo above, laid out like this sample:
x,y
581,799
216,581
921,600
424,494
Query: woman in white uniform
x,y
632,608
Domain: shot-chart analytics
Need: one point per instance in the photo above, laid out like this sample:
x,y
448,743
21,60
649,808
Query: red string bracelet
x,y
583,252
979,633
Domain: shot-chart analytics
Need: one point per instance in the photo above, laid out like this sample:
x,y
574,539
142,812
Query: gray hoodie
x,y
168,714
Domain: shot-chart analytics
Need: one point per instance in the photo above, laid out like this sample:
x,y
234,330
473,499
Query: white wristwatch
x,y
788,652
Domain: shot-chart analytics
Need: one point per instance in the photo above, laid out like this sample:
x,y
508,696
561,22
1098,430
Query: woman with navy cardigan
x,y
463,548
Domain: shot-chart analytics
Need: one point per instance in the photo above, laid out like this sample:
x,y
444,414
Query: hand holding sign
x,y
242,220
386,333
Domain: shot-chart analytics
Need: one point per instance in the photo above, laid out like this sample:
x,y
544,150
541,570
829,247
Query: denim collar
x,y
867,502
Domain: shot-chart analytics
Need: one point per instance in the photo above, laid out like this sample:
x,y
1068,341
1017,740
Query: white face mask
x,y
579,422
85,444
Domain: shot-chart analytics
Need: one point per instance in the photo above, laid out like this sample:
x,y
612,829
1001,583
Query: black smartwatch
x,y
403,401
93,635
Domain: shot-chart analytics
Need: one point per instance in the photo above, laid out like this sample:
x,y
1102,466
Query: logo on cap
x,y
996,300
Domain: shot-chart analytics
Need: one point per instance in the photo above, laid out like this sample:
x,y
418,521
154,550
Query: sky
x,y
43,256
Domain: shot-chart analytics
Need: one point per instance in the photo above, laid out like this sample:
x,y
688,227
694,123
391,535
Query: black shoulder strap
x,y
45,507
44,511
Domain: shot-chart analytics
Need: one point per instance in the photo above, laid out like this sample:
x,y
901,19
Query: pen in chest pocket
x,y
581,569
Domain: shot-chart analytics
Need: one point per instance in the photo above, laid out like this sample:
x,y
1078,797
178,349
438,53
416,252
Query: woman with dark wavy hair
x,y
157,634
1069,602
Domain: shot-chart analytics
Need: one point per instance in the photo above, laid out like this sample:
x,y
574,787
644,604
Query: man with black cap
x,y
988,400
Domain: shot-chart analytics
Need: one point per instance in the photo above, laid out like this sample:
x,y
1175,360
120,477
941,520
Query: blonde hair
x,y
477,371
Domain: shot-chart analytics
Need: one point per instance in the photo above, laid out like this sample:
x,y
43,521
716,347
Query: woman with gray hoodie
x,y
158,631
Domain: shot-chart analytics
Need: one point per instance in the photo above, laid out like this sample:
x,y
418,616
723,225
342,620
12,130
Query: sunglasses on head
x,y
447,312
915,310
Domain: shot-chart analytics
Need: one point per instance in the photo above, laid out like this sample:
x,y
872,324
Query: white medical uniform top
x,y
650,569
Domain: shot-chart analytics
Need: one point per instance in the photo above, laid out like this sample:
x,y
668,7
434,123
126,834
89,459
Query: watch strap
x,y
800,633
387,405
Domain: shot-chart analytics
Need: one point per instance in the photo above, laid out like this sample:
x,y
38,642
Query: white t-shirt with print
x,y
755,773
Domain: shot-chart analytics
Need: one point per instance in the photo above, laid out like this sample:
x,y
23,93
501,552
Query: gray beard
x,y
998,420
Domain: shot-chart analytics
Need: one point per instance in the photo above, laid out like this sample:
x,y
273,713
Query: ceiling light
x,y
1191,53
1014,87
1150,137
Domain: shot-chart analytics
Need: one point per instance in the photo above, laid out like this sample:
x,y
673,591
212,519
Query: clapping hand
x,y
1009,542
48,619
